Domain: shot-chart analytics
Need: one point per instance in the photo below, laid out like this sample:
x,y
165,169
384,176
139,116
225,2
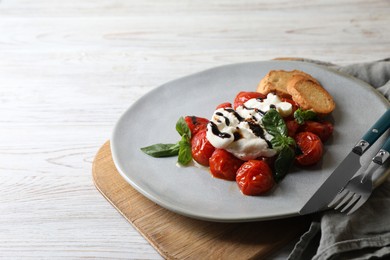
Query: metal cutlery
x,y
347,168
359,188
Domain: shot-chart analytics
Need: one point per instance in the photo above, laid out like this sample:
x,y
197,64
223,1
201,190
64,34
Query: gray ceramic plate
x,y
192,191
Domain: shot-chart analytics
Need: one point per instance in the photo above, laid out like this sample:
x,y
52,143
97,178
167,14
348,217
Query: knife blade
x,y
347,168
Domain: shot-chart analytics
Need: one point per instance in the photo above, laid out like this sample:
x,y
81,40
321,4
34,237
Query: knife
x,y
347,168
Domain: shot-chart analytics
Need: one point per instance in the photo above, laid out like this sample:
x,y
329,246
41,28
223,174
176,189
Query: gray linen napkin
x,y
363,235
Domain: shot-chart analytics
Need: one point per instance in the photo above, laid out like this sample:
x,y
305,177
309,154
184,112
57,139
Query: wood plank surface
x,y
69,69
198,239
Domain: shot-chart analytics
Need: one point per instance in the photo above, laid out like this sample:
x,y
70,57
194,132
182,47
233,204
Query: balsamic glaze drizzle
x,y
237,136
227,121
255,127
216,131
230,110
256,110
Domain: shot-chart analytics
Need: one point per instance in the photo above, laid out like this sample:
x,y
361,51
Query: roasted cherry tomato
x,y
254,177
201,148
224,105
323,129
242,97
268,160
292,127
311,146
224,165
196,123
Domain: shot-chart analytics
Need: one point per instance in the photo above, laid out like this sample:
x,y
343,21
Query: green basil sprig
x,y
304,115
182,148
274,124
161,150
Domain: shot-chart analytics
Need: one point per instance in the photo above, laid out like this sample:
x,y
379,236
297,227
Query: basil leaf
x,y
283,163
181,148
185,155
279,142
274,124
182,128
161,150
290,141
304,115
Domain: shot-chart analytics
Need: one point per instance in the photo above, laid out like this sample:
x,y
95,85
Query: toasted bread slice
x,y
276,81
309,94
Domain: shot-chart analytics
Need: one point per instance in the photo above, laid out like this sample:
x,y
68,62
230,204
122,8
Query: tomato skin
x,y
201,148
224,165
292,127
268,160
311,147
254,177
195,123
323,129
224,105
243,96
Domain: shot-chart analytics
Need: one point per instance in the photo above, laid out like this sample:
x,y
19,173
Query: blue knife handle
x,y
375,132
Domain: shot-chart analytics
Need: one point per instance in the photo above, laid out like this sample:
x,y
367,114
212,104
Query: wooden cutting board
x,y
178,237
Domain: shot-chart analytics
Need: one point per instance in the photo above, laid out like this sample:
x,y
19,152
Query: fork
x,y
359,188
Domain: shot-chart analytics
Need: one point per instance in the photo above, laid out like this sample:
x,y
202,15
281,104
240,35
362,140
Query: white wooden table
x,y
68,69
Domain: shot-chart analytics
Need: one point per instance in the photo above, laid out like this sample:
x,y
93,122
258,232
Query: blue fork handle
x,y
374,133
386,145
380,158
384,153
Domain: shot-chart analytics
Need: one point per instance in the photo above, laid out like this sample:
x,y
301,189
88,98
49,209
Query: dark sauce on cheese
x,y
230,110
255,127
256,110
216,131
237,136
227,121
